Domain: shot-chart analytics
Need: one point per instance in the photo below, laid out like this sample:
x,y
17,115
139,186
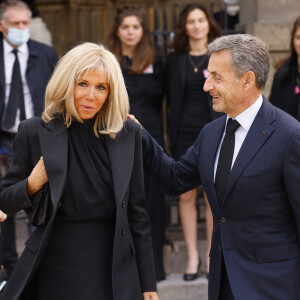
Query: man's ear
x,y
249,79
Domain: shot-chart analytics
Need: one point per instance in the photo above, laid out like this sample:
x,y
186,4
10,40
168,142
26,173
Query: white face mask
x,y
18,37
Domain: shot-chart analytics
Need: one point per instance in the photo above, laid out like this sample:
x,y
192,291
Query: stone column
x,y
271,21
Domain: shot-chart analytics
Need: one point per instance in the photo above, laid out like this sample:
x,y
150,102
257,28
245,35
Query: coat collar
x,y
121,154
54,146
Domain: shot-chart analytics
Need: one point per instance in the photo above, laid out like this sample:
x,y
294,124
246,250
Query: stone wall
x,y
270,20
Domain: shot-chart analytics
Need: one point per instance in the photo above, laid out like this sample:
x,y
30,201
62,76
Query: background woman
x,y
97,243
130,41
189,110
285,92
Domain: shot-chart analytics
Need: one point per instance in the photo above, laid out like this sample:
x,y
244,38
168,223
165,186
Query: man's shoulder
x,y
40,47
286,121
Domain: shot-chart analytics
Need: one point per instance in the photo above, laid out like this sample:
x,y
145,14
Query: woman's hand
x,y
150,296
3,216
37,178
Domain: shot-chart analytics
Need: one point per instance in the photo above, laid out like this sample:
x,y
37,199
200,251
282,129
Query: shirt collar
x,y
7,48
247,117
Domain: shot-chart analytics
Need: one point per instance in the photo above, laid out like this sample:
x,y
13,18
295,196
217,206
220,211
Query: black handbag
x,y
40,211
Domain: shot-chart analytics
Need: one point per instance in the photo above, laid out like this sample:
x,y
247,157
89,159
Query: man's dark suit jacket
x,y
132,266
257,228
40,65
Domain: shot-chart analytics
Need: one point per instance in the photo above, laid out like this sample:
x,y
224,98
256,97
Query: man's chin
x,y
217,108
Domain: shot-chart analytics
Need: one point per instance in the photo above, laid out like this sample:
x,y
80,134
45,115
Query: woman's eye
x,y
101,87
82,84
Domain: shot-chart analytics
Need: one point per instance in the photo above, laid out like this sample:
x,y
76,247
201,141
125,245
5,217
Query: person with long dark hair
x,y
285,92
190,108
142,69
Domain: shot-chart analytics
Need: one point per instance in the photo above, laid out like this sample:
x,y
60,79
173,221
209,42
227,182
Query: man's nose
x,y
207,85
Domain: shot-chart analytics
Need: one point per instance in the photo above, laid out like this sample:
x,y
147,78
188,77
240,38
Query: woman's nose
x,y
91,94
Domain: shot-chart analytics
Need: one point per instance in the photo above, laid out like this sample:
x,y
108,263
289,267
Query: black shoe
x,y
190,277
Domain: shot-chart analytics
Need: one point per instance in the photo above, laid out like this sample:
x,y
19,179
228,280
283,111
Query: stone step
x,y
175,288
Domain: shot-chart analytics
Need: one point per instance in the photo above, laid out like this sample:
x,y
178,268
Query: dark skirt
x,y
77,263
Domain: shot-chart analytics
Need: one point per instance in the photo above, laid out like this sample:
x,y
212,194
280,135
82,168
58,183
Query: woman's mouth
x,y
85,107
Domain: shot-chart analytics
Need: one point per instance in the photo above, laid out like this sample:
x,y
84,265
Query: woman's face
x,y
197,26
91,91
297,41
130,31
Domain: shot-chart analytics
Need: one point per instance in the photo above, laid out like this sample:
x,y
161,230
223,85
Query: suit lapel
x,y
260,131
54,147
121,154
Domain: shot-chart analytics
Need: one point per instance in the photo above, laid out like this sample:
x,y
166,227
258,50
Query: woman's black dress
x,y
195,112
78,261
146,92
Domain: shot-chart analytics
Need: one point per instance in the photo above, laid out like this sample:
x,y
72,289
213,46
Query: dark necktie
x,y
16,96
225,159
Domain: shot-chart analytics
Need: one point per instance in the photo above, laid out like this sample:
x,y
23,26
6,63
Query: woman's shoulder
x,y
173,57
130,125
32,123
286,71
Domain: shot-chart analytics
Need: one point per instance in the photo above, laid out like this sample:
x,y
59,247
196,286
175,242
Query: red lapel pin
x,y
264,133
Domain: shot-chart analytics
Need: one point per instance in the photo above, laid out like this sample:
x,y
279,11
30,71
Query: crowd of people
x,y
64,125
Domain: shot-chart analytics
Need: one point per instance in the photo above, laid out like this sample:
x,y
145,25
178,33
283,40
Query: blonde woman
x,y
97,243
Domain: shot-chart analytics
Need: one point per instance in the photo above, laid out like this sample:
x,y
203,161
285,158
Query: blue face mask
x,y
18,37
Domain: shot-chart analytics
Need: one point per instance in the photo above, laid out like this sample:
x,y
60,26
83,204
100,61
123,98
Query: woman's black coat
x,y
283,89
132,268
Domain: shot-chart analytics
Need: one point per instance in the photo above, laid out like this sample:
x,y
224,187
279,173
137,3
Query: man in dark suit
x,y
25,68
251,174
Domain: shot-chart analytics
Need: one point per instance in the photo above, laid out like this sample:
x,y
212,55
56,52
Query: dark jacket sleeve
x,y
172,177
13,187
139,221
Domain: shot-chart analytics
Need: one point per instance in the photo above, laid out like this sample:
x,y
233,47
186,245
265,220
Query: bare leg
x,y
188,216
209,229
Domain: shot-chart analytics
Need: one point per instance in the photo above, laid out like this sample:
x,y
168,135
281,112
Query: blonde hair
x,y
59,97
